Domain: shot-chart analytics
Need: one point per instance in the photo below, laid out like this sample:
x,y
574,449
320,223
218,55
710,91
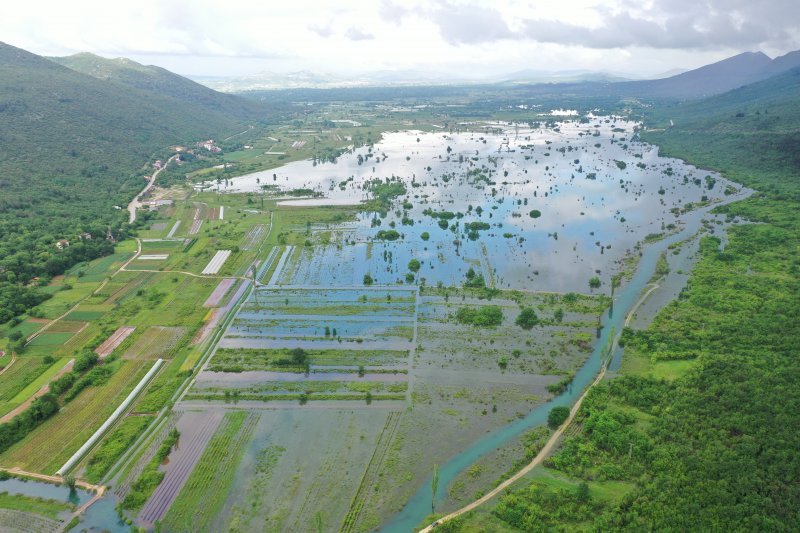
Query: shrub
x,y
557,416
527,318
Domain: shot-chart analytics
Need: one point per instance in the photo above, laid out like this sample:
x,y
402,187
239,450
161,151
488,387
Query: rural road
x,y
551,443
135,203
540,457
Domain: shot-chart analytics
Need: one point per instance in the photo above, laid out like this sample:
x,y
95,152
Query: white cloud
x,y
448,36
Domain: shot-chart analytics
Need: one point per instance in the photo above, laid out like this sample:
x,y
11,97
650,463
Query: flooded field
x,y
436,328
544,207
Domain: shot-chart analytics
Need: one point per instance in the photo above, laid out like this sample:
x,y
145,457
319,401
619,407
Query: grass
x,y
49,446
29,504
634,363
206,490
243,359
112,448
51,339
19,376
43,379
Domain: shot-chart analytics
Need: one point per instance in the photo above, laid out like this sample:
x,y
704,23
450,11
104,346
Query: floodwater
x,y
101,516
418,507
598,191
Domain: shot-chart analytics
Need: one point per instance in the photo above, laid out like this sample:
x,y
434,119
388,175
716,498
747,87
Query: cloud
x,y
323,31
674,24
355,34
467,24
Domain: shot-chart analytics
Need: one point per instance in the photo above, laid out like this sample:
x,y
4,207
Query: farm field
x,y
335,330
49,446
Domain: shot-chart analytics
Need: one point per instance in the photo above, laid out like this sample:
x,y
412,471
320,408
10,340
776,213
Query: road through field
x,y
551,443
136,202
540,457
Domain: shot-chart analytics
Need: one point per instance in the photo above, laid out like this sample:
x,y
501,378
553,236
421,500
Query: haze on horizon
x,y
464,38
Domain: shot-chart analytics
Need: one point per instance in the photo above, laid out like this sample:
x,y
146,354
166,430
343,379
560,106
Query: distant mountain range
x,y
711,79
716,78
391,78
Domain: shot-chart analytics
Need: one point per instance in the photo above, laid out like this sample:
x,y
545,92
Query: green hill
x,y
752,134
161,82
73,146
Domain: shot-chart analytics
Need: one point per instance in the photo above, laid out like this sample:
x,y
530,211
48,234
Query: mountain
x,y
159,81
716,78
778,65
704,81
73,146
750,133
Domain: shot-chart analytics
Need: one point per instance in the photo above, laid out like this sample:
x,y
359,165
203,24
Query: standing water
x,y
419,505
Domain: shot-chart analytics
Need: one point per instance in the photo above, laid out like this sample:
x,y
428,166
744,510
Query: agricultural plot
x,y
15,521
156,342
314,344
254,236
18,376
216,262
46,448
196,430
116,338
470,379
375,318
49,338
284,482
39,387
205,491
219,292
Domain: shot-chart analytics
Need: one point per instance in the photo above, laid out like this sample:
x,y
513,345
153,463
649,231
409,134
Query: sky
x,y
459,38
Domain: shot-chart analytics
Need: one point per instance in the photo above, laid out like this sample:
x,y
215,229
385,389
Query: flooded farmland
x,y
438,327
540,208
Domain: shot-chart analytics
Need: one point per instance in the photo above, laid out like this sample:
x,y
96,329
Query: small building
x,y
62,243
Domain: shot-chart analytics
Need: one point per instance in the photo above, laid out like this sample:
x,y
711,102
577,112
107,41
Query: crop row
x,y
206,490
47,447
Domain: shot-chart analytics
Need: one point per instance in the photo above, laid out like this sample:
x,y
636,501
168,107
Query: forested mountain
x,y
751,133
161,82
707,80
71,147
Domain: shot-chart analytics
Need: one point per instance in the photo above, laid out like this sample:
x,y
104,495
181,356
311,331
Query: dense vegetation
x,y
74,147
715,447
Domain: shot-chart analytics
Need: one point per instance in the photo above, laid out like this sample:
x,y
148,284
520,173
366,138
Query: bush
x,y
527,318
557,416
486,316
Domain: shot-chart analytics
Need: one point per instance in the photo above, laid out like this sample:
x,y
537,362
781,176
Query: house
x,y
62,243
85,236
210,146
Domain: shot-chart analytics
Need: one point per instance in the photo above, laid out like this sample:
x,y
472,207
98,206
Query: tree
x,y
594,283
414,265
582,493
368,279
527,318
557,416
558,315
